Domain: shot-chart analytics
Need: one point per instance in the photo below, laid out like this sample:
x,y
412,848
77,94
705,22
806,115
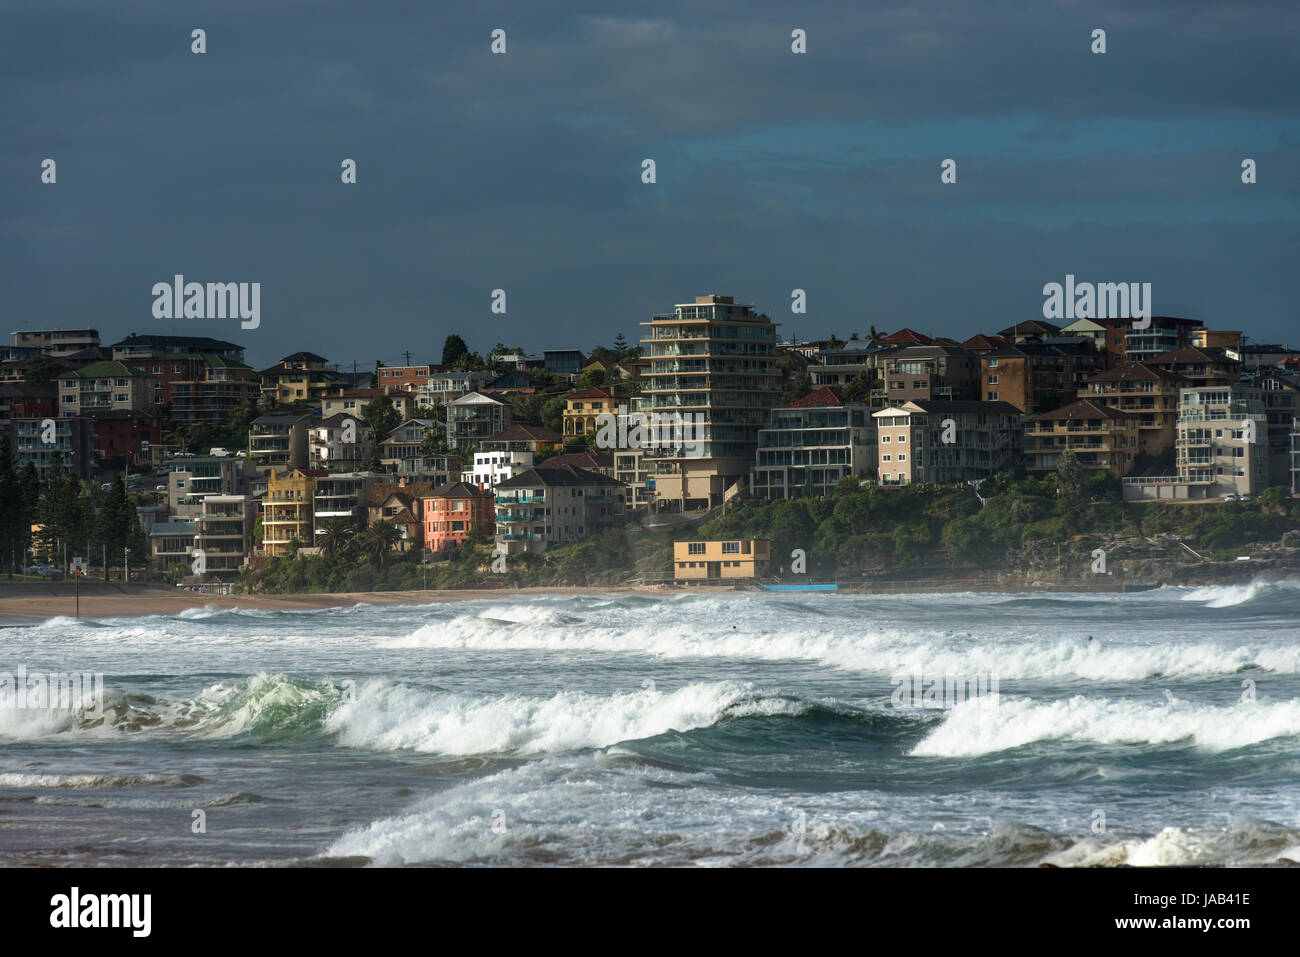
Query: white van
x,y
219,453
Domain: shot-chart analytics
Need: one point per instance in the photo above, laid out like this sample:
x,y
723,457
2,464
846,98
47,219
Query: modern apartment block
x,y
224,534
944,442
56,342
708,560
450,385
405,378
931,372
1163,334
1280,393
839,367
104,385
809,445
288,509
474,417
194,477
27,400
633,469
279,440
492,468
72,440
453,512
1036,377
343,495
542,507
523,438
716,360
1099,436
1149,392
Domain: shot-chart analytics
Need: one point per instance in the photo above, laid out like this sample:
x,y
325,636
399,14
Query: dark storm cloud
x,y
523,171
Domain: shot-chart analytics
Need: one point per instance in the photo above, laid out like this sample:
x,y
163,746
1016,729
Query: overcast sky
x,y
522,171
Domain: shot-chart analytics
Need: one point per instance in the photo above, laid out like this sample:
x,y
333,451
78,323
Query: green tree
x,y
454,351
335,536
796,388
378,541
1071,476
381,416
553,413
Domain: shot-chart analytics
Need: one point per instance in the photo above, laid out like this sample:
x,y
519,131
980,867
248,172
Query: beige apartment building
x,y
943,442
1222,447
1100,438
287,510
715,360
746,558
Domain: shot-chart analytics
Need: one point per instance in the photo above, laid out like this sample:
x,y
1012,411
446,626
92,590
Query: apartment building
x,y
172,360
279,440
491,468
716,360
455,511
839,367
931,372
194,477
1222,447
943,442
635,470
1029,329
354,401
124,436
56,342
1225,339
602,462
1295,456
582,408
1036,377
343,495
224,534
1099,436
523,438
1105,335
104,385
341,442
1148,392
171,543
1278,391
301,377
475,417
565,362
287,510
405,378
1164,334
709,560
212,393
27,400
70,443
1199,367
543,507
809,445
451,384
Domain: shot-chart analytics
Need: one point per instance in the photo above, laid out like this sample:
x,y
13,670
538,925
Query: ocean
x,y
683,729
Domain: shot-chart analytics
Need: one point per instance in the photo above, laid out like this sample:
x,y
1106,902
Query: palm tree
x,y
335,535
874,336
379,540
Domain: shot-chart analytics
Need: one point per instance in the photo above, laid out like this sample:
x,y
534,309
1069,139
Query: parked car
x,y
1232,497
160,488
219,452
1243,498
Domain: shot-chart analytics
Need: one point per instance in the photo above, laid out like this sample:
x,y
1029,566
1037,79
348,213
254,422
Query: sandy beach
x,y
26,602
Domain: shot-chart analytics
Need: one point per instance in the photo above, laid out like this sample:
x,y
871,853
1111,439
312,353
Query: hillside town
x,y
173,458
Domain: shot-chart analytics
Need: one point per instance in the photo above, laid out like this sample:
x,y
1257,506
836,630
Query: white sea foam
x,y
385,716
972,730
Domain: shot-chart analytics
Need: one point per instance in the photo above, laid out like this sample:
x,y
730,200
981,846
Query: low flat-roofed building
x,y
724,559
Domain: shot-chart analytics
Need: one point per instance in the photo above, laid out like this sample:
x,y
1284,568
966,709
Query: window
x,y
902,457
993,397
695,548
993,363
902,438
731,548
884,439
886,458
993,380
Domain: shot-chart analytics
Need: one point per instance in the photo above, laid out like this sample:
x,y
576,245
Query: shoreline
x,y
33,603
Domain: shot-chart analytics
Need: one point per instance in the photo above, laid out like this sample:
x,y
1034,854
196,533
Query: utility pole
x,y
407,353
126,566
105,561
